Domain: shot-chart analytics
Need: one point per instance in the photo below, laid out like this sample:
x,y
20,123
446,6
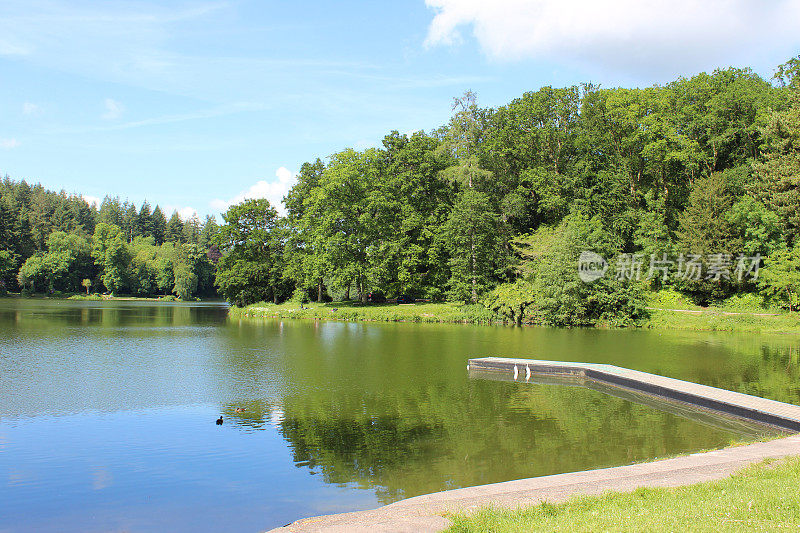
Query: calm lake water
x,y
107,412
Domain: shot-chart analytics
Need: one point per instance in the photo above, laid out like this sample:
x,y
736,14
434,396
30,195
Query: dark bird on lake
x,y
219,421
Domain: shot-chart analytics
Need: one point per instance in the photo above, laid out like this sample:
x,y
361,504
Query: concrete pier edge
x,y
779,415
426,513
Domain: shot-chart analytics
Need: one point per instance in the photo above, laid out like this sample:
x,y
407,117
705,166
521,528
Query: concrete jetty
x,y
779,415
427,513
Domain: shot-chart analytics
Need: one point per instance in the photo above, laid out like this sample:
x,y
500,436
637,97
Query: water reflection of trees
x,y
52,314
388,408
442,439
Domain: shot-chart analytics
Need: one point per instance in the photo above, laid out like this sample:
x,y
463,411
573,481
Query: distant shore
x,y
354,311
699,319
103,297
681,317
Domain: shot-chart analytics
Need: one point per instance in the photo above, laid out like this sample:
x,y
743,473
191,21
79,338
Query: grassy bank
x,y
712,319
684,317
746,313
763,496
352,311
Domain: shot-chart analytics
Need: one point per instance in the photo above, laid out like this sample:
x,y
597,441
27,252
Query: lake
x,y
108,409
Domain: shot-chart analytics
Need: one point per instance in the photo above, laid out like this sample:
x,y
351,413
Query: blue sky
x,y
194,105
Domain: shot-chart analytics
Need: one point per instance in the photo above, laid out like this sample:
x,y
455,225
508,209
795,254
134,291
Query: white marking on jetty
x,y
516,372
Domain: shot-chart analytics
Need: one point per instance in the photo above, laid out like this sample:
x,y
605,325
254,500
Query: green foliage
x,y
561,297
669,299
471,236
252,265
510,300
8,265
779,278
300,296
494,206
60,268
420,312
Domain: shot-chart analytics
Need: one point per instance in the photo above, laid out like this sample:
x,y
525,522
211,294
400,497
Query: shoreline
x,y
102,298
427,513
711,319
708,320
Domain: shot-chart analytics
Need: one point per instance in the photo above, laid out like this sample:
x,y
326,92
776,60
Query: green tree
x,y
777,181
144,221
779,279
111,254
342,221
174,231
510,300
159,225
251,265
472,214
8,265
471,237
303,264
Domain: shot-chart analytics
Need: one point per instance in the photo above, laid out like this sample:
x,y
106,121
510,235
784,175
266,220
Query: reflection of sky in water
x,y
107,412
142,469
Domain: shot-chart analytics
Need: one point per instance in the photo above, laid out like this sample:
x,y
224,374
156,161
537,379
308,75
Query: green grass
x,y
716,320
745,313
670,299
351,311
761,497
85,297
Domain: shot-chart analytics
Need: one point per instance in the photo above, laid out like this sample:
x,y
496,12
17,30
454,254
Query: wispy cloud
x,y
195,115
9,48
29,108
8,144
273,191
113,109
135,44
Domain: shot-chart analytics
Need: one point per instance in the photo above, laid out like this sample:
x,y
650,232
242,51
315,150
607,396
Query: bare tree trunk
x,y
347,291
362,295
319,290
274,296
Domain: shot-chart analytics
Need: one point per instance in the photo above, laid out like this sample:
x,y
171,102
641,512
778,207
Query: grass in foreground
x,y
352,311
761,497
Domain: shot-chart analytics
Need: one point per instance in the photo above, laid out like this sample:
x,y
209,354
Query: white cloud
x,y
114,109
273,191
635,35
29,108
8,144
92,200
186,213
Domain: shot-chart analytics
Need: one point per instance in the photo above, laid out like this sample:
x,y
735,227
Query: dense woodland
x,y
492,208
57,243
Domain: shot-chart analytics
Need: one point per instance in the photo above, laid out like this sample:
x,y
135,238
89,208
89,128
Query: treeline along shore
x,y
567,206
